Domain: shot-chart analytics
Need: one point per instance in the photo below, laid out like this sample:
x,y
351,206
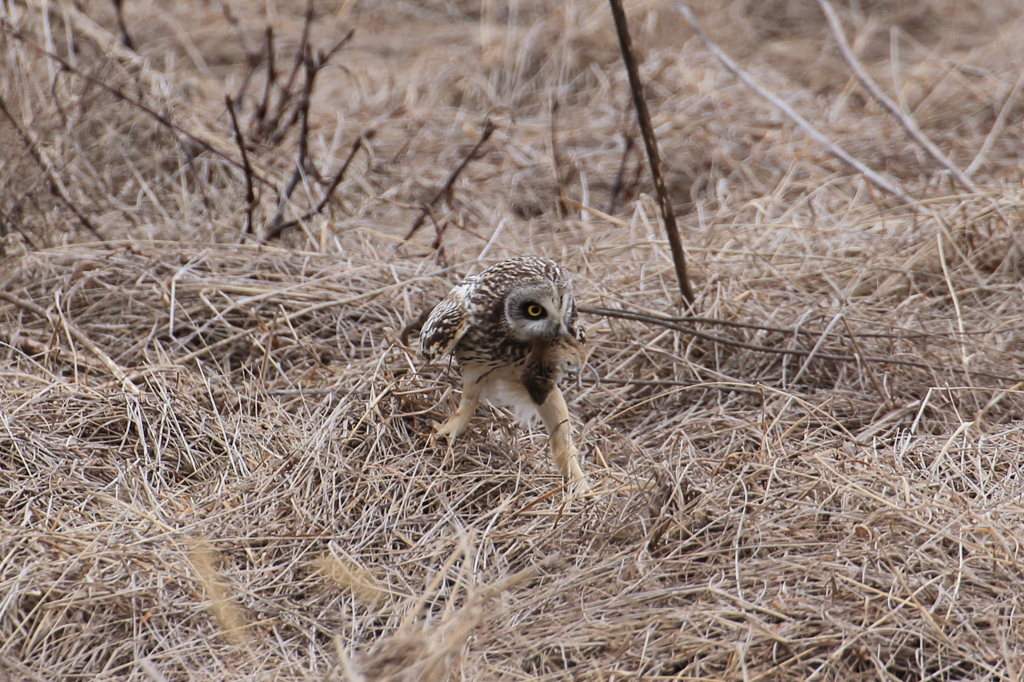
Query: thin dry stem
x,y
907,121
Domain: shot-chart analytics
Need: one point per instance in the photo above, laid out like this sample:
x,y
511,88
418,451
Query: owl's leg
x,y
555,415
456,425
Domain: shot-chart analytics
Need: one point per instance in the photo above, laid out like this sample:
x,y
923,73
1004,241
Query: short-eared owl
x,y
514,330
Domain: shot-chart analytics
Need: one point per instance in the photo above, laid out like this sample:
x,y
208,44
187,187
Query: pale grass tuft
x,y
348,574
222,603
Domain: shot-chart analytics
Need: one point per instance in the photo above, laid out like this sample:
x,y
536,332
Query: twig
x,y
126,37
116,92
619,185
489,128
834,149
643,117
556,162
274,231
799,352
906,336
259,113
313,67
307,22
57,322
56,185
304,162
908,123
438,244
250,195
267,122
303,153
997,128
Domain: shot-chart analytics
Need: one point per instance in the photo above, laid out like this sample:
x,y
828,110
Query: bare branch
x,y
116,92
126,37
798,352
556,161
277,227
997,128
250,195
57,187
835,150
908,123
484,136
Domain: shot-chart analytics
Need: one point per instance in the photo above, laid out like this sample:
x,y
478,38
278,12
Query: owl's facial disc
x,y
537,312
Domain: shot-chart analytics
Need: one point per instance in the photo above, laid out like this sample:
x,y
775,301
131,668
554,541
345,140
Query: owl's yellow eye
x,y
533,310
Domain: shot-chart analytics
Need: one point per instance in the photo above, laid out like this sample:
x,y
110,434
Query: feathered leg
x,y
555,415
457,424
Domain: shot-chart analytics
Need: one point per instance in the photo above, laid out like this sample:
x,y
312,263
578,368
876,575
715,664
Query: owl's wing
x,y
447,324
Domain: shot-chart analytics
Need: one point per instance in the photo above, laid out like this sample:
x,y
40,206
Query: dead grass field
x,y
213,451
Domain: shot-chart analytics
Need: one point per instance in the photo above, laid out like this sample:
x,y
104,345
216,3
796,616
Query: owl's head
x,y
540,310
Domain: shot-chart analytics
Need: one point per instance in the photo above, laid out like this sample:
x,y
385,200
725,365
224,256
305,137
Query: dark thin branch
x,y
303,154
305,163
556,162
126,37
56,186
323,57
438,244
274,231
259,113
907,335
313,67
643,116
116,92
799,352
253,58
484,136
745,78
271,124
619,185
307,22
250,195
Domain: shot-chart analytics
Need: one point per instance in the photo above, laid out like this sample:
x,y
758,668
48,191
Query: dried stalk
x,y
116,92
798,352
908,123
997,128
835,150
250,195
275,230
80,336
57,187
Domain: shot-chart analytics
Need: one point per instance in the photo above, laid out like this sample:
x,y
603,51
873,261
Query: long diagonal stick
x,y
908,123
833,149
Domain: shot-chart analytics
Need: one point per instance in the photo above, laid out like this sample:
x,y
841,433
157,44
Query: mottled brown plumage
x,y
515,332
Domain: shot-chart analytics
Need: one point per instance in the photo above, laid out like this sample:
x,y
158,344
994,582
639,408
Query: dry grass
x,y
213,460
